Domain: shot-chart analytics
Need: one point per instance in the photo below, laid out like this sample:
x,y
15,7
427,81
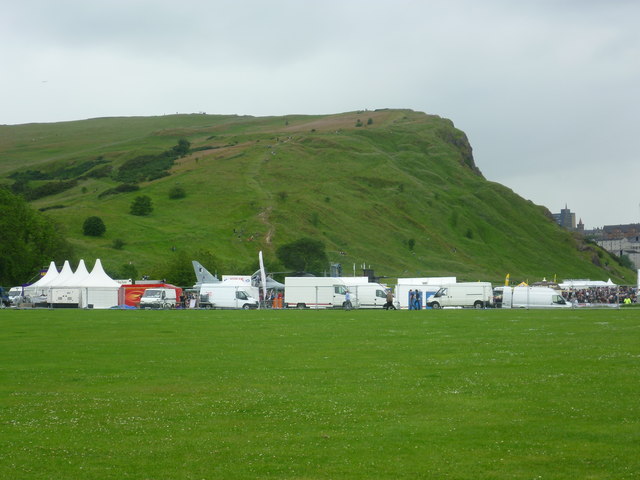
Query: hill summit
x,y
394,190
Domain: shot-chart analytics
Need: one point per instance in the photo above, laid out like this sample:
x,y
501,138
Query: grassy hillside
x,y
396,190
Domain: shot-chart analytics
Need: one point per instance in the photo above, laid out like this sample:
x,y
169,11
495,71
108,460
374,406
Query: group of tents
x,y
81,288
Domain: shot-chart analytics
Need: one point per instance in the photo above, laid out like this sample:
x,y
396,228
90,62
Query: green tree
x,y
28,240
182,148
93,227
304,254
142,206
178,270
129,270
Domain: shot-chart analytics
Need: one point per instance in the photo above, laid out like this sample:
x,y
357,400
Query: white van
x,y
16,295
316,292
229,294
365,294
533,297
469,294
158,298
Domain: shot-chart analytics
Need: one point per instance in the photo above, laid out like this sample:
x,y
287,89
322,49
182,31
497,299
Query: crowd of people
x,y
602,295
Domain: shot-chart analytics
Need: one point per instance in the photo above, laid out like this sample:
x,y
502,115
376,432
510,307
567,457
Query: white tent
x,y
585,283
41,286
99,289
79,278
65,274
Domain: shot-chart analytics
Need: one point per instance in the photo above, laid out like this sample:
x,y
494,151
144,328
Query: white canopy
x,y
99,278
43,284
65,274
78,279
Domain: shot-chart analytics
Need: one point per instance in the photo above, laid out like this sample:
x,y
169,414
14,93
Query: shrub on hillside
x,y
93,227
141,206
305,255
177,192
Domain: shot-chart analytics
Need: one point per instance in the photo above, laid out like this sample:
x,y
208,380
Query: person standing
x,y
389,304
347,301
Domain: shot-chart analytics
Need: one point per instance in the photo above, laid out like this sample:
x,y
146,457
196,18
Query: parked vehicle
x,y
316,292
4,298
470,294
131,294
229,294
533,297
16,295
158,298
426,287
365,294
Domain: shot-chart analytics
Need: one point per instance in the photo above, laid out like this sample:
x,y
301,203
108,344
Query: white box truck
x,y
158,298
315,292
533,297
229,294
464,294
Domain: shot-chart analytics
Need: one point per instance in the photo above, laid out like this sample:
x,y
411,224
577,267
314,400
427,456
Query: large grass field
x,y
320,395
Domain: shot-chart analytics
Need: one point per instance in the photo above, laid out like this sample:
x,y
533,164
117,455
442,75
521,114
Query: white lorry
x,y
315,292
158,298
229,294
533,297
366,294
465,294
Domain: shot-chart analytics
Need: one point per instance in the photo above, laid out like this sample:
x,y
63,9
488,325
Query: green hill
x,y
395,190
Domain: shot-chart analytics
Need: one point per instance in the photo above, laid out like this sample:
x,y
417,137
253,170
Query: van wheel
x,y
477,305
301,305
435,305
246,306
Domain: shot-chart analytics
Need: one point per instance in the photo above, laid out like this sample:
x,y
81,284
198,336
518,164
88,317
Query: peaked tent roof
x,y
80,276
65,274
48,277
99,278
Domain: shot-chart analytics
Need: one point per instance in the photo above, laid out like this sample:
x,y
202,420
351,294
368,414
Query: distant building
x,y
620,240
566,218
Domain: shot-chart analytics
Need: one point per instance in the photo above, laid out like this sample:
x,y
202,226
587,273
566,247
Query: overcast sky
x,y
548,91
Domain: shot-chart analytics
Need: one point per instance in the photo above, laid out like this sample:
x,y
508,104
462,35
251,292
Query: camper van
x,y
533,297
229,294
316,292
471,294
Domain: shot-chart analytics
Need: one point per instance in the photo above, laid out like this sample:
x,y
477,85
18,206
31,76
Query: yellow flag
x,y
506,280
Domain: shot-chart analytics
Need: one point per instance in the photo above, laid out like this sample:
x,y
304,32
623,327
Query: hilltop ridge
x,y
394,189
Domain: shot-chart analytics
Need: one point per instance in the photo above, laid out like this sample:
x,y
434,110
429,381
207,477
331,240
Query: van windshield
x,y
441,292
152,293
559,300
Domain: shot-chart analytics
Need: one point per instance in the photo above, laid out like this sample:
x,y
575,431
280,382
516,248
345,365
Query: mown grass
x,y
289,394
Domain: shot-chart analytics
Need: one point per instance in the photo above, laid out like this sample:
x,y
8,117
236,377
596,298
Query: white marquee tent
x,y
42,286
85,289
101,290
